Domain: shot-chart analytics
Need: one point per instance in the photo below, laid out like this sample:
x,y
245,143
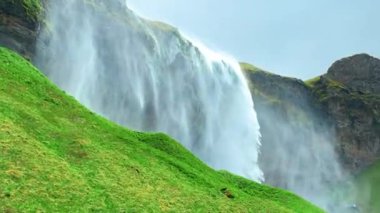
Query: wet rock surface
x,y
347,98
18,31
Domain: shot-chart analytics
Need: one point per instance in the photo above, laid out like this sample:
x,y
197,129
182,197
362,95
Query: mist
x,y
147,76
299,146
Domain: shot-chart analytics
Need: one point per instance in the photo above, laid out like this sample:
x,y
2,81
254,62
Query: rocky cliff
x,y
350,94
19,20
296,133
347,98
360,73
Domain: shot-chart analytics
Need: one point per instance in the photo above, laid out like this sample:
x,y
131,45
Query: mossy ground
x,y
250,68
56,156
311,82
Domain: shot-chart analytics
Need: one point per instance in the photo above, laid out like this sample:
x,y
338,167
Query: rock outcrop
x,y
347,99
350,94
360,73
18,25
296,133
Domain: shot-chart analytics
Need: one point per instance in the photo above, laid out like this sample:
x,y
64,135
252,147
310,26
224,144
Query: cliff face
x,y
360,73
350,94
18,25
346,100
296,133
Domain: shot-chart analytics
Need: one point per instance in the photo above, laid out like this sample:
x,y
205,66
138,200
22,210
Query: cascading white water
x,y
147,76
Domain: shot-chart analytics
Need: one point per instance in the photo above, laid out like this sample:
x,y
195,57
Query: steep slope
x,y
345,101
349,93
295,133
346,98
58,156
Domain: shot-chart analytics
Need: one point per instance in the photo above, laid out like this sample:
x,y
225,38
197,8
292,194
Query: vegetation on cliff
x,y
347,98
354,109
27,9
19,20
57,156
287,96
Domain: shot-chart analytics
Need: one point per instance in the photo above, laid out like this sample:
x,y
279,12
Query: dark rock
x,y
350,94
227,193
288,115
17,9
359,72
18,29
347,99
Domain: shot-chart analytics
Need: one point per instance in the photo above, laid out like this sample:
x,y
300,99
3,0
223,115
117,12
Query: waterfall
x,y
147,76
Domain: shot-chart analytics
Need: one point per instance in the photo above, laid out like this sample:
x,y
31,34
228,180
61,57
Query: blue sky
x,y
295,38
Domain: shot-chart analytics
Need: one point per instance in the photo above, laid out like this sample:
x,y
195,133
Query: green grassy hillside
x,y
56,156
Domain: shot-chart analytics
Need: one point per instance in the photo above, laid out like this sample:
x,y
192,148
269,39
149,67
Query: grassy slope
x,y
55,155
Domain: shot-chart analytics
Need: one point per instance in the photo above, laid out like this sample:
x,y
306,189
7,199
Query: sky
x,y
295,38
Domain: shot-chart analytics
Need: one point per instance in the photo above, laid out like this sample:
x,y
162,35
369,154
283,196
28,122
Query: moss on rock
x,y
30,10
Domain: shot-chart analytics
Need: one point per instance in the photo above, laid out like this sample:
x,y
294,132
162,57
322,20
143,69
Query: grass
x,y
330,83
325,88
249,67
311,82
253,69
369,189
56,156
